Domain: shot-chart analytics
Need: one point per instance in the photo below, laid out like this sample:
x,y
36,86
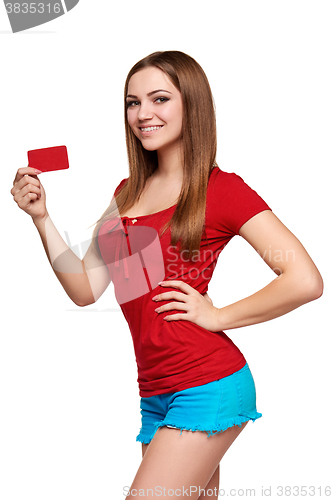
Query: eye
x,y
161,99
131,104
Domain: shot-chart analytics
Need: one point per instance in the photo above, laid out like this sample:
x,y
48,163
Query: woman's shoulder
x,y
229,191
223,180
120,185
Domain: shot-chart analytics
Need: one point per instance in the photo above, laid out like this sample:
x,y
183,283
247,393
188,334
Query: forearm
x,y
68,268
282,295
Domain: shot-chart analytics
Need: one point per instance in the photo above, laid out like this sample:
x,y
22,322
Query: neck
x,y
170,164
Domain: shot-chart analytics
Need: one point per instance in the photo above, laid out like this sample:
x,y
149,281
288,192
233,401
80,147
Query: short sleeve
x,y
120,185
235,202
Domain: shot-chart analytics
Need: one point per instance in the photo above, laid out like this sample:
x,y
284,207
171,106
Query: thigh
x,y
212,487
144,449
181,463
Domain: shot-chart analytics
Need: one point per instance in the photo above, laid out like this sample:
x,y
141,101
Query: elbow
x,y
79,304
318,288
82,302
312,287
84,298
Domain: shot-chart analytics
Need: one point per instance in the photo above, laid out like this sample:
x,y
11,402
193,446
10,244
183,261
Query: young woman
x,y
169,220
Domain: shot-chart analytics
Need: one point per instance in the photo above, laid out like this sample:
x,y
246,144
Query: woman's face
x,y
154,110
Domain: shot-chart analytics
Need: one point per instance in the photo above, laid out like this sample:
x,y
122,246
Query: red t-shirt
x,y
175,355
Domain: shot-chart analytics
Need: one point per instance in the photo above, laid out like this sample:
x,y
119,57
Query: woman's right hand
x,y
29,193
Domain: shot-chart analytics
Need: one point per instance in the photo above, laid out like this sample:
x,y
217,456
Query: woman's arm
x,y
297,283
84,280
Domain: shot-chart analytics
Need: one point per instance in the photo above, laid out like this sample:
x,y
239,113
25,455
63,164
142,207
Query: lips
x,y
151,128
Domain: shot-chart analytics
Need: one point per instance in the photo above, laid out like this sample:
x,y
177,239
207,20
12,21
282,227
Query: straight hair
x,y
199,151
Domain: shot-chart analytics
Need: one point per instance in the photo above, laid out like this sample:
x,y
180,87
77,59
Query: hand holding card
x,y
49,159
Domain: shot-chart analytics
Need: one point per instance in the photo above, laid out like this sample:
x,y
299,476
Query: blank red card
x,y
48,159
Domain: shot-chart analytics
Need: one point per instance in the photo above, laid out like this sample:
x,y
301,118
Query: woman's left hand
x,y
199,309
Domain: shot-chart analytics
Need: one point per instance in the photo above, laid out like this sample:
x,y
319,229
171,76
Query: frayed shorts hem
x,y
211,430
210,408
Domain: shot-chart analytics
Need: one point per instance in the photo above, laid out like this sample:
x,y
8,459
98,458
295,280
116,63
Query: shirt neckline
x,y
149,215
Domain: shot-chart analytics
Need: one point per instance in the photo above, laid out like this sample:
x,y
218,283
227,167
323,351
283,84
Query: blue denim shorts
x,y
211,407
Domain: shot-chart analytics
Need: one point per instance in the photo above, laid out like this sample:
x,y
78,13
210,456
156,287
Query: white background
x,y
68,391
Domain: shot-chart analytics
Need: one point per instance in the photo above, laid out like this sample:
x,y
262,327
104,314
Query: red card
x,y
48,159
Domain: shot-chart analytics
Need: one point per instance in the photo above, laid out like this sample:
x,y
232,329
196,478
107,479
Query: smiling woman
x,y
171,219
155,116
176,187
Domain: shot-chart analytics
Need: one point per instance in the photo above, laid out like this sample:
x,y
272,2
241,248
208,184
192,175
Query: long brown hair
x,y
199,150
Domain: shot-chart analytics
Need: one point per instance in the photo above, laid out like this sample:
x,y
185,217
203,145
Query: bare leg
x,y
213,485
182,463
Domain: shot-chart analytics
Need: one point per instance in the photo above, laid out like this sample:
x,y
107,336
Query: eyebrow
x,y
150,93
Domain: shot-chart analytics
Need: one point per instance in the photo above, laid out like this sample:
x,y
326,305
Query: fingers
x,y
181,285
23,181
208,298
30,188
29,185
29,193
170,295
26,182
175,317
23,201
21,172
173,305
26,187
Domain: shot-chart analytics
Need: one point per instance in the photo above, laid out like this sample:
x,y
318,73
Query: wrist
x,y
221,316
40,220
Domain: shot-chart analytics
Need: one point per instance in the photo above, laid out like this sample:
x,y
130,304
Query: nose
x,y
145,112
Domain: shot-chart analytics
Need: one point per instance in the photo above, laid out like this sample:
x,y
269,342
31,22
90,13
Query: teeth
x,y
148,129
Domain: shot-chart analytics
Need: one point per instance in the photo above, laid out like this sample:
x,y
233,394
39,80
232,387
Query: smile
x,y
150,129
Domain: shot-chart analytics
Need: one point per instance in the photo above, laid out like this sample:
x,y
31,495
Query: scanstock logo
x,y
24,15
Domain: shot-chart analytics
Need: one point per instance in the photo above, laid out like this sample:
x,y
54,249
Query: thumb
x,y
208,298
